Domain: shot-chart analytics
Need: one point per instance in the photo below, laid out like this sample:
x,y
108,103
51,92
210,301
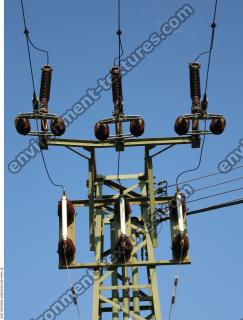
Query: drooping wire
x,y
45,165
215,195
70,282
28,43
119,34
217,184
205,176
213,26
176,281
26,32
199,162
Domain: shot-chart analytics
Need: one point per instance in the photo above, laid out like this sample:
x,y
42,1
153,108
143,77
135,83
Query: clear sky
x,y
80,37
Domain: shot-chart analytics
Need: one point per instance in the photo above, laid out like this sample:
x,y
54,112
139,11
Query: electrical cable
x,y
199,162
203,177
210,208
28,41
213,26
176,281
70,281
119,34
45,165
28,49
215,195
217,184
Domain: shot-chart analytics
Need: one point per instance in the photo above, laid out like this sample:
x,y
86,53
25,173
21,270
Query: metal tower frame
x,y
126,295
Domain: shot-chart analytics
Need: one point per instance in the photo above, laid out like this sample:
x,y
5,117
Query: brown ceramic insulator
x,y
69,250
124,248
137,127
45,87
180,247
218,125
58,126
117,87
195,86
22,125
102,131
182,126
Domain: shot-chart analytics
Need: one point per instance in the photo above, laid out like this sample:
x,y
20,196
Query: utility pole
x,y
124,275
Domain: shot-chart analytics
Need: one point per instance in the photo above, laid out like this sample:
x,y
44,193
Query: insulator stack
x,y
124,248
122,215
102,131
66,248
127,208
137,127
217,126
58,126
45,85
182,126
117,88
195,86
173,207
180,246
22,125
70,211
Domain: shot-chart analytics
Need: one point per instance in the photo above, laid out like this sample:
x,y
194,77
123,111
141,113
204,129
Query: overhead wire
x,y
217,184
28,41
210,208
213,25
215,195
204,177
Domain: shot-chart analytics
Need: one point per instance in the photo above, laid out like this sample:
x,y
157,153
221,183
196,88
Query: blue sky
x,y
80,37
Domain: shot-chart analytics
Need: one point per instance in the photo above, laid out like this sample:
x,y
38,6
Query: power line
x,y
218,184
45,164
215,195
210,208
203,177
217,206
200,159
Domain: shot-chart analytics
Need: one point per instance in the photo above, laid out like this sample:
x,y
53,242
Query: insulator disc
x,y
22,125
182,126
69,249
102,131
124,248
137,127
218,125
58,126
180,247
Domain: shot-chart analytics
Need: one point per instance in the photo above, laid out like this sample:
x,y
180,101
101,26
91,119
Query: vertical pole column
x,y
126,298
91,178
114,280
135,281
98,226
151,195
151,271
